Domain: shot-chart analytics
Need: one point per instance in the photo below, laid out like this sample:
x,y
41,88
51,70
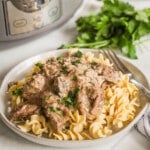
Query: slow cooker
x,y
24,18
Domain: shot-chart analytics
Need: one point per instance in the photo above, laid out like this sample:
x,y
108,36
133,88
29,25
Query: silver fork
x,y
118,64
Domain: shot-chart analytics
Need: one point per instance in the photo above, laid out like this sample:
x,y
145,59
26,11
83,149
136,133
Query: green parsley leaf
x,y
76,91
52,109
60,59
79,54
142,16
75,62
40,65
64,70
70,99
17,92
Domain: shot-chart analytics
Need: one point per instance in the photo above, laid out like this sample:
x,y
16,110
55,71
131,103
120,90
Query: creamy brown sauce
x,y
64,84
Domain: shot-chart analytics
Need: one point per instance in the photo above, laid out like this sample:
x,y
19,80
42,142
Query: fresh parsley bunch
x,y
117,25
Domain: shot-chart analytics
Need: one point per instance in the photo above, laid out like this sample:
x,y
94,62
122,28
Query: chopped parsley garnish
x,y
40,65
60,59
76,62
70,99
52,109
79,54
64,69
76,91
17,92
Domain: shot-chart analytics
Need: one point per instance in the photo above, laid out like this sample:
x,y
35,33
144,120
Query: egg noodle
x,y
120,107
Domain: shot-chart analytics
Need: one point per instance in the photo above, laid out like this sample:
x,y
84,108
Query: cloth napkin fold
x,y
143,125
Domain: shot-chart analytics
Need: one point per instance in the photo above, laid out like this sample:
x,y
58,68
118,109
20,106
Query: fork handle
x,y
145,90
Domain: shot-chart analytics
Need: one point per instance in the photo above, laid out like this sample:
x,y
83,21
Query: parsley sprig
x,y
117,25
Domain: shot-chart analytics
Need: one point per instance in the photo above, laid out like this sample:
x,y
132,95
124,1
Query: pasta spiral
x,y
36,124
75,132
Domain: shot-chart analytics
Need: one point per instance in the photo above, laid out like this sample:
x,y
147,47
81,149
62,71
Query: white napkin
x,y
143,125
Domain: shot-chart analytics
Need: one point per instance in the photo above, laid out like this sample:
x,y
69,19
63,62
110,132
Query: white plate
x,y
21,69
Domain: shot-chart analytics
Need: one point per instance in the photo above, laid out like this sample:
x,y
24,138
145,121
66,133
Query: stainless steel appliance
x,y
23,18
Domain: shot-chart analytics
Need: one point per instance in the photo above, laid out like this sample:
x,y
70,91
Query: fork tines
x,y
115,60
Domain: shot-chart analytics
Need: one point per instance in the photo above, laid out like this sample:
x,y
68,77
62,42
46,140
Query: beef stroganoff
x,y
77,96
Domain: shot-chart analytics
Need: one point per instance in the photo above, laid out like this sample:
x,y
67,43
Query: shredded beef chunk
x,y
51,68
62,85
83,101
55,110
49,98
110,74
34,88
91,101
58,115
97,100
24,111
56,121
